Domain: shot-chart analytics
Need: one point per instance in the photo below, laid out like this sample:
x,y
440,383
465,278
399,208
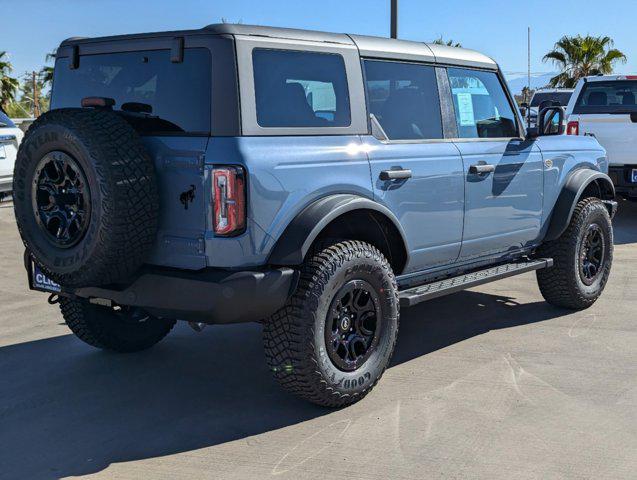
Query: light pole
x,y
394,19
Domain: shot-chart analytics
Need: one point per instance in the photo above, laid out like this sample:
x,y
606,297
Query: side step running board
x,y
415,295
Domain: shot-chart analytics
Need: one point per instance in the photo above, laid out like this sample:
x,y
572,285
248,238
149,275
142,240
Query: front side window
x,y
404,99
607,97
300,89
482,107
159,96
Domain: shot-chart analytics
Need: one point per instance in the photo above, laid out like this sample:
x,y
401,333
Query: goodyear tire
x,y
334,339
85,197
582,258
124,330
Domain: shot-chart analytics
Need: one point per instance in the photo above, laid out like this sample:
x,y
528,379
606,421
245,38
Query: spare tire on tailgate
x,y
85,197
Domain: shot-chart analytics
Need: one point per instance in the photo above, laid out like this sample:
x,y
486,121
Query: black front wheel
x,y
333,340
582,258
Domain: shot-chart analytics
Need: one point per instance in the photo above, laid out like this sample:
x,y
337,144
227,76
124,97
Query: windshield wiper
x,y
2,124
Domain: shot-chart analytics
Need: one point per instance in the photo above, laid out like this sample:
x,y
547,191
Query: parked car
x,y
10,137
605,107
547,97
315,182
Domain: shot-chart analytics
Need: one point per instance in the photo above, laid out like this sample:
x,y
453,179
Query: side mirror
x,y
524,107
550,121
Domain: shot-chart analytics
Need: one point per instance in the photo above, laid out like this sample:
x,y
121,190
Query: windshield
x,y
613,96
561,98
5,121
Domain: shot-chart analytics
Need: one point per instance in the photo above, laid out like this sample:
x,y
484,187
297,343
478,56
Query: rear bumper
x,y
621,177
208,296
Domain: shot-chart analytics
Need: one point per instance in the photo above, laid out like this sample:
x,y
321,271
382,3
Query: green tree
x,y
26,100
579,57
46,74
449,43
8,85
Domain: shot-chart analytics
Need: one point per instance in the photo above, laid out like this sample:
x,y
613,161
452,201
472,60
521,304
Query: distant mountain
x,y
517,82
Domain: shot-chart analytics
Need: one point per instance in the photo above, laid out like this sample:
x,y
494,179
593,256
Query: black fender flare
x,y
297,238
574,186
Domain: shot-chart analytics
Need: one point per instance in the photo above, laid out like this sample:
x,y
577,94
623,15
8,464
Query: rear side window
x,y
404,99
616,96
5,121
159,96
300,89
482,107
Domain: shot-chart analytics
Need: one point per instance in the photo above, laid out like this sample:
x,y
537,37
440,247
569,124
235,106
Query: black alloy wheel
x,y
61,199
352,325
591,257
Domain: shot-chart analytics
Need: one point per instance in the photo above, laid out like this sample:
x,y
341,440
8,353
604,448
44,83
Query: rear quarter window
x,y
300,89
178,95
614,96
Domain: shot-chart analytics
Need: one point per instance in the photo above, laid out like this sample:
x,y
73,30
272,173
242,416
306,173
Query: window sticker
x,y
465,110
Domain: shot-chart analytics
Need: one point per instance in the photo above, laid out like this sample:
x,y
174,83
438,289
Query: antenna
x,y
528,85
394,19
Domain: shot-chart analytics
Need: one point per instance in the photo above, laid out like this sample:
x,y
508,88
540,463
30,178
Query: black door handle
x,y
481,169
401,174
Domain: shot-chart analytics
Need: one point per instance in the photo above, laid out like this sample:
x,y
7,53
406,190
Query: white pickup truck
x,y
10,137
605,107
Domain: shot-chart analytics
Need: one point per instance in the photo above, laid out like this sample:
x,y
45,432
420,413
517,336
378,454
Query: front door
x,y
415,173
503,172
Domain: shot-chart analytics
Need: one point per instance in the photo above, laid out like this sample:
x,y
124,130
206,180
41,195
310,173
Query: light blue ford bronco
x,y
314,182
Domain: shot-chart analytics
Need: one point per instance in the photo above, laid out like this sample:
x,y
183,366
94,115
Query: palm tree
x,y
449,43
8,85
579,57
46,74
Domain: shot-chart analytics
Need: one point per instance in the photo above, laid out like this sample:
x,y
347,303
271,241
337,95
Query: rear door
x,y
607,109
503,172
429,198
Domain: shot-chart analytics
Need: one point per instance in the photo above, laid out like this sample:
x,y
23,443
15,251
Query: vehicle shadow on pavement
x,y
67,409
442,322
625,223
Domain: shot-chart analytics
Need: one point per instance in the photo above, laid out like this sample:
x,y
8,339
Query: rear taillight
x,y
229,198
572,128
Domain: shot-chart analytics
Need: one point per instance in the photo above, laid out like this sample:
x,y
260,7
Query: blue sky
x,y
31,28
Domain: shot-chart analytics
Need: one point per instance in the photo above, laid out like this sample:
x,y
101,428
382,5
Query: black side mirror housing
x,y
550,121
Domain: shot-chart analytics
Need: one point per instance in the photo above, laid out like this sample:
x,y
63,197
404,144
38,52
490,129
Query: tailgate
x,y
183,195
616,132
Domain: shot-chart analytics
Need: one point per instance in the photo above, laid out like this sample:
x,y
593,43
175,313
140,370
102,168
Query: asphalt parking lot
x,y
488,383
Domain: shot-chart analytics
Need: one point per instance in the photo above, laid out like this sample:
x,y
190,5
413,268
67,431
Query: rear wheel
x,y
582,258
125,329
334,339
